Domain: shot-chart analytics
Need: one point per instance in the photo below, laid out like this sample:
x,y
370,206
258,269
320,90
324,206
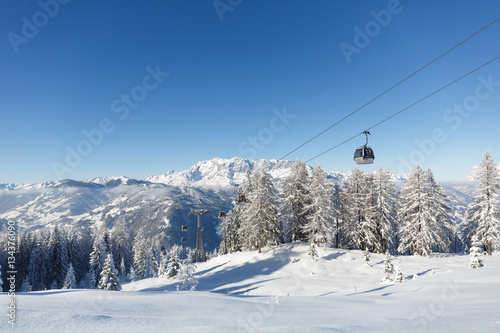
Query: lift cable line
x,y
386,91
406,108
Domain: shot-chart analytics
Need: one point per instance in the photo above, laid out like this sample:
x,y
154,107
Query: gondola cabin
x,y
364,155
222,214
241,199
184,227
183,240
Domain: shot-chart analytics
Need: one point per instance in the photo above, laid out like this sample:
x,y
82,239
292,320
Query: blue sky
x,y
268,75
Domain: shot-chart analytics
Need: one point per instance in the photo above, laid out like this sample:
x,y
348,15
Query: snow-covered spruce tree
x,y
366,257
37,268
384,211
475,260
294,201
96,262
400,277
318,226
356,201
186,274
173,263
57,259
228,230
25,286
337,215
485,216
139,255
109,275
422,211
312,250
70,280
439,208
259,223
388,268
122,274
77,254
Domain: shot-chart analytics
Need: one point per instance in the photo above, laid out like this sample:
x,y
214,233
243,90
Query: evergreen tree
x,y
312,250
338,214
384,212
228,230
122,274
109,275
422,210
318,226
186,274
439,208
58,261
96,263
294,202
132,276
259,225
25,286
173,266
356,202
400,277
70,280
485,216
388,268
140,253
37,269
366,257
475,260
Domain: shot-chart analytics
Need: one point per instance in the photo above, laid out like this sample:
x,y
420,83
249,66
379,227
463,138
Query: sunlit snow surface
x,y
283,290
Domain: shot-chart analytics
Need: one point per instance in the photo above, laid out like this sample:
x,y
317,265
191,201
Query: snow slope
x,y
283,290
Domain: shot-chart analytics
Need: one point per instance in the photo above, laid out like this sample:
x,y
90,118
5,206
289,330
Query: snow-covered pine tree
x,y
423,214
76,253
186,274
132,276
96,262
228,230
337,214
475,260
312,250
293,202
438,207
388,268
485,216
356,202
37,269
366,257
139,252
57,258
400,277
109,275
70,280
384,211
25,286
122,274
259,223
318,226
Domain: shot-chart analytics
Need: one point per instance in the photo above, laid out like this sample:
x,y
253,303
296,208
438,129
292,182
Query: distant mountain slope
x,y
160,203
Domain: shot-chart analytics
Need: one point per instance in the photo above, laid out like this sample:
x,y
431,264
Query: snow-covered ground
x,y
283,290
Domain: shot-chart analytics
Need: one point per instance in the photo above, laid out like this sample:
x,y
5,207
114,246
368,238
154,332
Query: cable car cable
x,y
386,91
406,108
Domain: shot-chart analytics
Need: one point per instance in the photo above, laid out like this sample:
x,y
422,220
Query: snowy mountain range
x,y
159,203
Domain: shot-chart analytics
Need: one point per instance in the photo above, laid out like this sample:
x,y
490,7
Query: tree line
x,y
366,212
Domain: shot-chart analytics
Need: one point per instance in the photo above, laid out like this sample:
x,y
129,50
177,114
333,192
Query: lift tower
x,y
199,255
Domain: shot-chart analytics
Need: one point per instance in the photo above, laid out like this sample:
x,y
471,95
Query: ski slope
x,y
283,290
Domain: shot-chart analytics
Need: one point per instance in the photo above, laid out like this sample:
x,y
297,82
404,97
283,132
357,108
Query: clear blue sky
x,y
74,71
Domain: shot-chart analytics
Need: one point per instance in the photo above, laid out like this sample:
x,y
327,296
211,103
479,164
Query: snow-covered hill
x,y
283,290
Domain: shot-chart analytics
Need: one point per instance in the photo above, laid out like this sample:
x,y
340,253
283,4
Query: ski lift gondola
x,y
241,199
364,154
183,240
184,227
222,214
